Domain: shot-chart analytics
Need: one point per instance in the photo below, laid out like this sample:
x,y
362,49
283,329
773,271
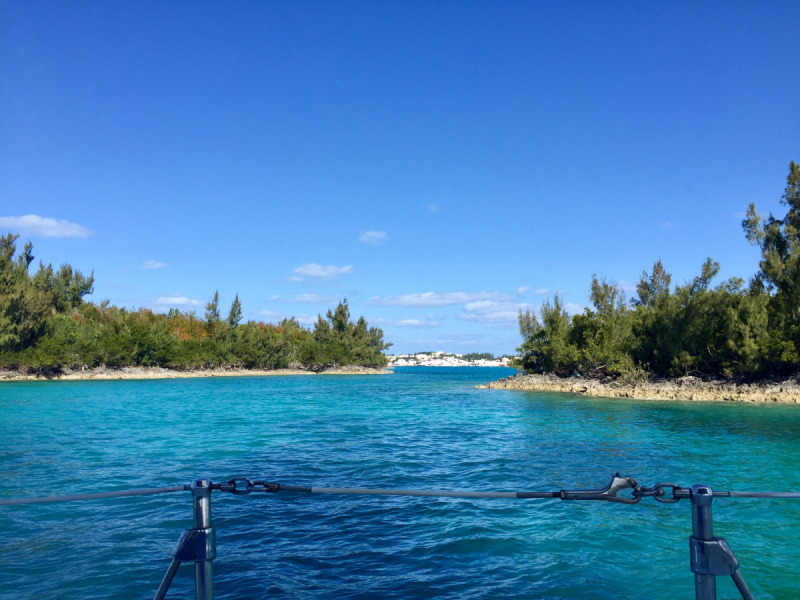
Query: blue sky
x,y
440,164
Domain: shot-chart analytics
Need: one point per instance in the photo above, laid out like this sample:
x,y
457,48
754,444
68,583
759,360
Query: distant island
x,y
444,359
48,329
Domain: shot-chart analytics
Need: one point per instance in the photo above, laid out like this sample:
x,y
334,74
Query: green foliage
x,y
339,341
45,325
694,328
477,356
212,312
235,314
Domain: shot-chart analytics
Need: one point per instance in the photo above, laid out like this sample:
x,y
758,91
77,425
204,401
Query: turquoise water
x,y
423,428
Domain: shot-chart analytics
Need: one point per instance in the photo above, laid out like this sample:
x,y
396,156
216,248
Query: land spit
x,y
109,373
684,388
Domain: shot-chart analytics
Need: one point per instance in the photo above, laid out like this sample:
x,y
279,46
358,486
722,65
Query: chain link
x,y
659,492
234,486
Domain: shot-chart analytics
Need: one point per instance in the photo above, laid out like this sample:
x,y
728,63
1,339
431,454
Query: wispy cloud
x,y
378,321
572,308
489,311
433,299
467,340
313,299
44,227
418,324
271,316
154,264
374,238
627,286
669,225
433,207
178,301
541,292
319,272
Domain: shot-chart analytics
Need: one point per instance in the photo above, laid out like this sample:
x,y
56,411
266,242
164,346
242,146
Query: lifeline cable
x,y
120,494
608,493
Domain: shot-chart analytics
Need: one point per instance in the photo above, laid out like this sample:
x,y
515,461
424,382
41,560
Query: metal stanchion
x,y
197,545
705,586
710,556
203,569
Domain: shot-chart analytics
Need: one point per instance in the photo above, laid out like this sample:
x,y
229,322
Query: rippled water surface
x,y
422,428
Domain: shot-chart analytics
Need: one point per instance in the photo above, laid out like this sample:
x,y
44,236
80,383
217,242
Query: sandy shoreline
x,y
107,374
684,388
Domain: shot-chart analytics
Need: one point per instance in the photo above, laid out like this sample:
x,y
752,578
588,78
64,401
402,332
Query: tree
x,y
651,288
26,302
528,325
779,275
212,311
545,347
235,314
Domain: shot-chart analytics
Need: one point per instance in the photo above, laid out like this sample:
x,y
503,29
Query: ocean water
x,y
419,428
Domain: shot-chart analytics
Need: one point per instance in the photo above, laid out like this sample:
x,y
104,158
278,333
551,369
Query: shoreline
x,y
125,373
687,388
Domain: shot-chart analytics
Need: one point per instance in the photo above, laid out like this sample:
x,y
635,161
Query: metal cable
x,y
120,494
380,492
607,493
759,494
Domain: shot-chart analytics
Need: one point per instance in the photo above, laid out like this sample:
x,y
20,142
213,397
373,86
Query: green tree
x,y
235,314
651,288
212,312
779,275
546,347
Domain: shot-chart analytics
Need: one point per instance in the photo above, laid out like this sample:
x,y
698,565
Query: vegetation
x,y
46,325
477,356
730,330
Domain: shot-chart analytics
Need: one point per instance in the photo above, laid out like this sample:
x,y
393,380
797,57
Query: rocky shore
x,y
684,388
107,373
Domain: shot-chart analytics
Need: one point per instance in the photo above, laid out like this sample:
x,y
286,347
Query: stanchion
x,y
710,556
204,569
196,545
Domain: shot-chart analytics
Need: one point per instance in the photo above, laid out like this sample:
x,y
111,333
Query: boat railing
x,y
709,556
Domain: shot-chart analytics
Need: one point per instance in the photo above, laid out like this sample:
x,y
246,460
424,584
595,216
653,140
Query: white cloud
x,y
433,299
44,227
375,238
318,271
627,286
541,292
488,311
294,279
462,339
572,308
273,298
313,299
417,324
272,316
669,225
432,207
154,264
178,301
379,321
523,290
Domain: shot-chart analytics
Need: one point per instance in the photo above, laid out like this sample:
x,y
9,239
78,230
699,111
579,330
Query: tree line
x,y
733,329
46,325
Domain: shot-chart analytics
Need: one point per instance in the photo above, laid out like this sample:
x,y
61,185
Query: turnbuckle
x,y
608,493
232,486
659,491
